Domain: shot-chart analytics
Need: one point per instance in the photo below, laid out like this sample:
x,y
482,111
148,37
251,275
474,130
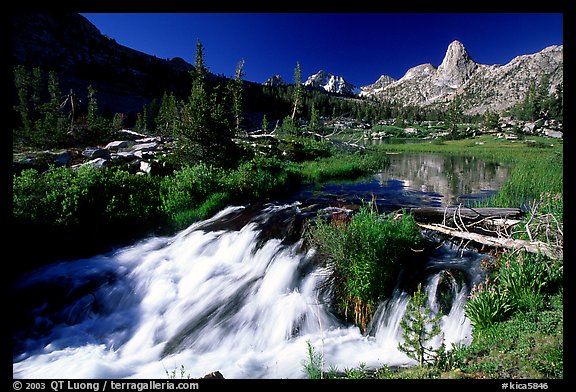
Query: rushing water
x,y
229,294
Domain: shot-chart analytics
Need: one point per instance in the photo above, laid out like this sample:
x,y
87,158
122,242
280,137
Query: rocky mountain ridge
x,y
275,80
482,87
126,79
69,44
329,83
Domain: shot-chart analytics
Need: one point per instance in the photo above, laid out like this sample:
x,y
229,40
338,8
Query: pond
x,y
420,180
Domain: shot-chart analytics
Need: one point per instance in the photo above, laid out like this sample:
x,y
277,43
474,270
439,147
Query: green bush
x,y
526,277
487,304
189,187
343,166
260,177
63,197
364,254
74,212
204,210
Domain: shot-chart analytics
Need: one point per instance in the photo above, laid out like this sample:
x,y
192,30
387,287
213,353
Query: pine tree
x,y
52,122
203,134
92,106
454,116
298,93
264,123
235,86
98,129
200,70
168,116
314,124
22,82
419,327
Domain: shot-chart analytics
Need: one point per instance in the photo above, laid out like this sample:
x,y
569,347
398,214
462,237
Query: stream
x,y
239,293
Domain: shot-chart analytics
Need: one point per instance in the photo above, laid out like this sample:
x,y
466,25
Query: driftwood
x,y
501,242
464,213
486,226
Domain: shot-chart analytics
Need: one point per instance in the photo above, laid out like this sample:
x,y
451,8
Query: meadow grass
x,y
537,167
525,339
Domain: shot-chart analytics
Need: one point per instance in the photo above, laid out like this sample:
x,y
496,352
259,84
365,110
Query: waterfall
x,y
209,298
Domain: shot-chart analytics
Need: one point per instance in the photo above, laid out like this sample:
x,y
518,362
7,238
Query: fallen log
x,y
467,213
498,242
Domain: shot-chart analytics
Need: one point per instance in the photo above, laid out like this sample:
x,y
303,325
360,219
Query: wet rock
x,y
213,376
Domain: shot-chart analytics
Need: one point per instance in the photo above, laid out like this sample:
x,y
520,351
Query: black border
x,y
565,7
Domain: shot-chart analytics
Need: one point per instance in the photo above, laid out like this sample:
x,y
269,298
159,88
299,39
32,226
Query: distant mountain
x,y
274,81
126,79
482,87
376,87
68,43
330,83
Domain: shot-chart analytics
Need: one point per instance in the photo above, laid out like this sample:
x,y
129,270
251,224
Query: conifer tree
x,y
454,116
314,124
235,91
52,124
298,94
98,128
21,82
168,116
92,106
264,123
419,327
203,134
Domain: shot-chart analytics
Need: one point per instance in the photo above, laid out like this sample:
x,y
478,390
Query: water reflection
x,y
424,179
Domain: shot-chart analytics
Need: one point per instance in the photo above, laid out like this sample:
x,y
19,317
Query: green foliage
x,y
532,176
69,198
491,120
343,166
419,327
539,102
265,125
42,123
314,123
526,277
526,345
168,117
203,133
487,304
188,187
313,366
289,128
261,177
298,93
235,92
454,117
50,119
364,254
63,210
97,129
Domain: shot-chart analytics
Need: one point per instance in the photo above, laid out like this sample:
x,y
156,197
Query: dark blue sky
x,y
359,47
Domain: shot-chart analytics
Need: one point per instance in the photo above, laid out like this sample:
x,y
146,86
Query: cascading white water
x,y
206,300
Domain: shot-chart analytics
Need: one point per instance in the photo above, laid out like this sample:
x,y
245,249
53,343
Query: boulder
x,y
94,152
145,146
552,133
116,145
98,163
213,375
